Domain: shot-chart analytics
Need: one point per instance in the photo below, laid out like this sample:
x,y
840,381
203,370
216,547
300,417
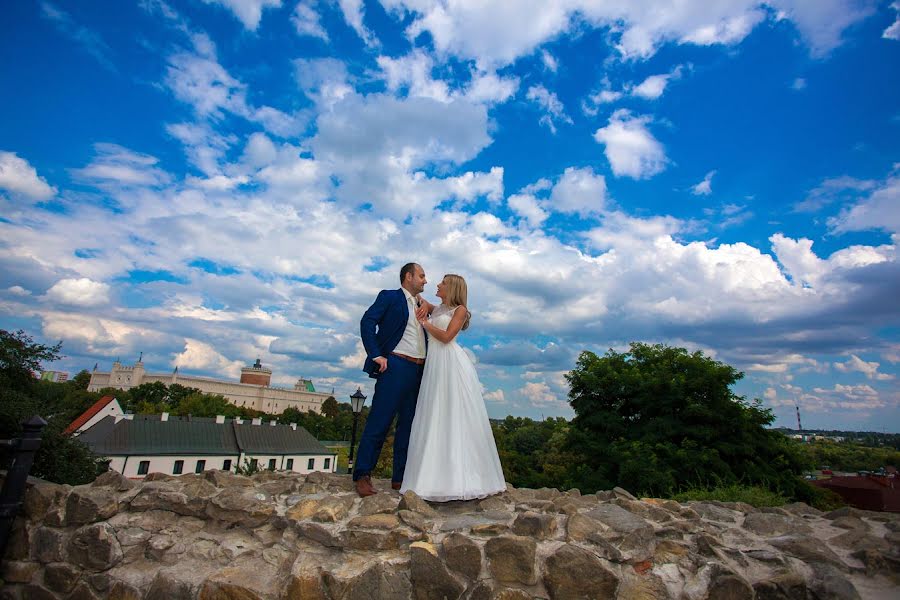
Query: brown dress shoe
x,y
396,485
364,487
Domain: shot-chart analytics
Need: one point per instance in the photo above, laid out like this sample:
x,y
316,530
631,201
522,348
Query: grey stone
x,y
859,539
33,591
239,506
429,576
227,479
618,519
462,555
413,519
511,559
807,549
170,585
535,525
492,503
710,511
622,493
572,572
115,481
131,536
850,522
60,577
87,504
321,534
95,547
785,585
579,526
379,582
411,501
42,496
378,503
47,545
802,509
83,591
334,508
18,545
18,571
769,524
121,590
829,584
375,521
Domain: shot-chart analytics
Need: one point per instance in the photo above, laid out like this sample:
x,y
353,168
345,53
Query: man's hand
x,y
381,362
422,311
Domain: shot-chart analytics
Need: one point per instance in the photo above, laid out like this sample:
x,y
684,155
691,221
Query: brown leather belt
x,y
418,361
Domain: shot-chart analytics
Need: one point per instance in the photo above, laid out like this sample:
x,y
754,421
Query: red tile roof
x,y
88,414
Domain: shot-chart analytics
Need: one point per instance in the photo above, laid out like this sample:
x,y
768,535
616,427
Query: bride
x,y
452,454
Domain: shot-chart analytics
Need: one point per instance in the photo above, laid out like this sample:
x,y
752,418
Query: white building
x,y
253,390
137,445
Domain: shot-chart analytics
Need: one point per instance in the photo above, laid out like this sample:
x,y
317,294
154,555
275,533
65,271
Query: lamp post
x,y
357,400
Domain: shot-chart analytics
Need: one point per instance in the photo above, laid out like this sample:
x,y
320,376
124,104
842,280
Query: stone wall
x,y
280,536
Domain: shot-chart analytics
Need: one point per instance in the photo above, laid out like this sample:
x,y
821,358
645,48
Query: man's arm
x,y
424,309
367,325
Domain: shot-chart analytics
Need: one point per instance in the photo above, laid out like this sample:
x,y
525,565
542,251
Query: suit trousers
x,y
396,392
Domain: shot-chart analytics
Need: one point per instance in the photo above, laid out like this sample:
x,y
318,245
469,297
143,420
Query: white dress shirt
x,y
413,341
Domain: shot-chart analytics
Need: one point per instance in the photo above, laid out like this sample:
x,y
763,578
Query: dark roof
x,y
145,435
88,414
277,439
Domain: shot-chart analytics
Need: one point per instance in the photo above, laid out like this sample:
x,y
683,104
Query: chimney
x,y
257,421
220,419
294,426
273,423
164,416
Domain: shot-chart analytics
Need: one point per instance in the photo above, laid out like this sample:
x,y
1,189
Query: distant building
x,y
137,445
868,492
253,390
57,376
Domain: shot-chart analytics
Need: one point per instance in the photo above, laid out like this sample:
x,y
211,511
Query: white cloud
x,y
893,30
248,12
306,20
354,12
202,356
879,210
527,207
579,191
833,190
704,188
79,292
20,178
654,86
630,148
92,43
413,72
539,394
119,166
870,369
799,84
495,396
18,290
554,111
550,62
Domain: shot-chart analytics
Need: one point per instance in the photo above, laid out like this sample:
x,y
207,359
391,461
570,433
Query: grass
x,y
751,494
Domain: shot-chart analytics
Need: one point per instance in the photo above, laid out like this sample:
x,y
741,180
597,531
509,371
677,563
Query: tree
x,y
81,380
657,419
20,359
330,408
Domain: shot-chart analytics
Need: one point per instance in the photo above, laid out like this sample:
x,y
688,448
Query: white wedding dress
x,y
452,454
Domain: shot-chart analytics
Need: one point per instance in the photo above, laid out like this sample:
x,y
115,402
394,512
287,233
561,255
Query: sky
x,y
211,181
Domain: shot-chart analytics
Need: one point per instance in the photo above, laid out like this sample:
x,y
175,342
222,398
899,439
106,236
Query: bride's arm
x,y
456,323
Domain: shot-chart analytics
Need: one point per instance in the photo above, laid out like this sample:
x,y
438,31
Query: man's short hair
x,y
407,268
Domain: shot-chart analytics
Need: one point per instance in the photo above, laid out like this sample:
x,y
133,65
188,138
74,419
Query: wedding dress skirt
x,y
452,454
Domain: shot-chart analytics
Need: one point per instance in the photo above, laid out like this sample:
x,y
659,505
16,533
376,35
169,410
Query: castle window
x,y
226,466
179,466
290,464
327,463
311,464
143,467
271,464
254,463
201,465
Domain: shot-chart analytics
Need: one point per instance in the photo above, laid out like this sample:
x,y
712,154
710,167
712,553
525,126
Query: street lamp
x,y
357,400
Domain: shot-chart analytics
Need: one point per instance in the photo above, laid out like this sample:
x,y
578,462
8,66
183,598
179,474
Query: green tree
x,y
21,358
330,408
81,380
657,419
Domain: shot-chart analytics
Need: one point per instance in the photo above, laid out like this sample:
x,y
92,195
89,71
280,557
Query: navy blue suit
x,y
396,390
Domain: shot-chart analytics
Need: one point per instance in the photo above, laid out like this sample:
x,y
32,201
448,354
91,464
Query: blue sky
x,y
212,181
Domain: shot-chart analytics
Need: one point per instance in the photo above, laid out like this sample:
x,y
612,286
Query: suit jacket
x,y
382,326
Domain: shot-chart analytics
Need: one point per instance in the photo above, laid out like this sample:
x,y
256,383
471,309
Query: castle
x,y
253,391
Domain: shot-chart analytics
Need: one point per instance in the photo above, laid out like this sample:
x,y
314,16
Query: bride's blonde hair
x,y
456,294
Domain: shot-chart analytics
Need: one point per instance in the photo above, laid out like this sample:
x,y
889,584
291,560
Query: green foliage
x,y
821,498
751,494
532,453
81,380
248,468
848,456
60,458
657,419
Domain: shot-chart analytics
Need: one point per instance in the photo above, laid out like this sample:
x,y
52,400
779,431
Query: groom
x,y
395,356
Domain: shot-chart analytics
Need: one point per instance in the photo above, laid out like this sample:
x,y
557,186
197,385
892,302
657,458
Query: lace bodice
x,y
441,315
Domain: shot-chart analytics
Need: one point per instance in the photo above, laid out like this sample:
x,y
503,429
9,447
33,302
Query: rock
x,y
829,584
95,547
227,479
357,539
580,526
303,509
492,503
60,577
850,522
413,519
844,511
802,509
247,579
622,493
18,545
767,524
132,536
42,497
88,504
47,545
83,591
536,525
379,503
490,529
381,581
170,585
32,591
807,549
645,510
712,512
239,506
859,539
572,572
429,576
321,534
279,487
462,555
114,480
334,508
18,571
162,497
618,519
305,581
511,559
121,590
411,501
783,586
376,521
716,582
873,560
